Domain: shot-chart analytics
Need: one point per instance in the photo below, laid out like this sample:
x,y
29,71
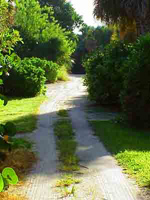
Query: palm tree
x,y
124,11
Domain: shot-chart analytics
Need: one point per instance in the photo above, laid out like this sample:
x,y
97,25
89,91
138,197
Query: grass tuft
x,y
130,147
66,145
67,180
21,143
62,113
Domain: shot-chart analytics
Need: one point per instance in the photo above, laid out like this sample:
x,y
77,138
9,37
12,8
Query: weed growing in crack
x,y
67,180
66,146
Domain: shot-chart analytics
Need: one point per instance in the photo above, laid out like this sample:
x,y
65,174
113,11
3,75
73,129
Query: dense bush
x,y
135,96
25,79
50,68
104,77
92,77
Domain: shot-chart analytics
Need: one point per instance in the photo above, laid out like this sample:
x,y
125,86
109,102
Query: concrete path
x,y
102,170
101,178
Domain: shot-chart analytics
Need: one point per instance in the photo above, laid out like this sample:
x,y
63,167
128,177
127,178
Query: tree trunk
x,y
143,26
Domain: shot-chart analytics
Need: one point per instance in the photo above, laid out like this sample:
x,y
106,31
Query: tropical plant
x,y
123,12
8,176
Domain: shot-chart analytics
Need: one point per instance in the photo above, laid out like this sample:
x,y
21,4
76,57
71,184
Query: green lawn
x,y
130,147
21,111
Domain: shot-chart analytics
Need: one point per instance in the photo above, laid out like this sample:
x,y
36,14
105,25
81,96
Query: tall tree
x,y
124,11
64,13
42,36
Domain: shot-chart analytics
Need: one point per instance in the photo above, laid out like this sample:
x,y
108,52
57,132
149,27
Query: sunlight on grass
x,y
63,74
22,112
130,147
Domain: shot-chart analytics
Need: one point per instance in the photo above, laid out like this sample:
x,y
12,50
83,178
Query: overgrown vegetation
x,y
103,72
67,184
135,96
119,75
129,146
66,143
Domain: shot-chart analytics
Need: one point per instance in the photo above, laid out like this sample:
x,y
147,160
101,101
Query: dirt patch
x,y
7,196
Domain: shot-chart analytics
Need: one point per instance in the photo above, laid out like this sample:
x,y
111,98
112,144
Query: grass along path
x,y
22,112
130,147
66,146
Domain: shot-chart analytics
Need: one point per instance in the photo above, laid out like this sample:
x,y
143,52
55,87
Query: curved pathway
x,y
101,178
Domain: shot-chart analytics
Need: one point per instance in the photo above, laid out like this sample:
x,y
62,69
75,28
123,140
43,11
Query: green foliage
x,y
62,74
8,36
50,68
92,65
62,113
64,13
90,39
51,71
7,177
66,145
8,39
104,77
7,131
43,37
63,129
21,143
25,79
120,74
135,95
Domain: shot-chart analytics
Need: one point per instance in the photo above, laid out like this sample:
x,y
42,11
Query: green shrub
x,y
26,79
51,71
104,77
135,97
92,80
50,68
7,132
62,74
